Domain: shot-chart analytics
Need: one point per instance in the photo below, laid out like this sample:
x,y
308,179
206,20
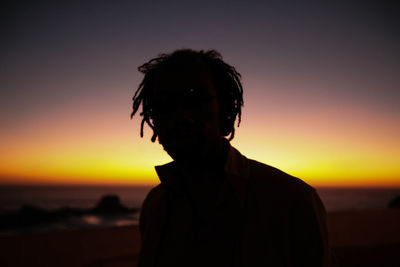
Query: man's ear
x,y
225,124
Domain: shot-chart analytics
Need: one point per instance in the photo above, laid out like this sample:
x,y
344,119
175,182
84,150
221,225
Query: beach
x,y
365,238
358,238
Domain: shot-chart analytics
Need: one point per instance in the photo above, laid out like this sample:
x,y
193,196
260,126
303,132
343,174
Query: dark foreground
x,y
359,238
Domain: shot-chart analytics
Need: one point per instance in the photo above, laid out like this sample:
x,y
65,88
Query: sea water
x,y
54,197
51,198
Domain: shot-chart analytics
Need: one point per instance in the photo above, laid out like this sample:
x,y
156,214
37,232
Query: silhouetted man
x,y
215,207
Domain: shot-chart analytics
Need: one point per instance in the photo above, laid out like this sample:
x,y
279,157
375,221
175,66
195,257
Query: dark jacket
x,y
281,218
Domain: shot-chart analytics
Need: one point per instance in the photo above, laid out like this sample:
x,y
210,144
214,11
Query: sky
x,y
321,86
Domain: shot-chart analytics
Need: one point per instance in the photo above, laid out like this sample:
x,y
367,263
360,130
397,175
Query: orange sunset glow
x,y
323,147
320,95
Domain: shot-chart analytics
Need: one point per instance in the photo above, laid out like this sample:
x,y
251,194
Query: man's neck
x,y
212,162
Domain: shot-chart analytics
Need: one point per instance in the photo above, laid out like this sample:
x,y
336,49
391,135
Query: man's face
x,y
186,115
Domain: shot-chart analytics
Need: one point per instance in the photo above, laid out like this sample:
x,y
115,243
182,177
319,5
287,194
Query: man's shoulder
x,y
156,192
282,191
264,179
265,176
155,197
153,204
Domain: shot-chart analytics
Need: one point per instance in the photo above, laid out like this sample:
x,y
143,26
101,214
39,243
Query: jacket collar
x,y
236,169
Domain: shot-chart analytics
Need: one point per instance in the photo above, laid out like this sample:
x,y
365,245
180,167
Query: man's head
x,y
190,99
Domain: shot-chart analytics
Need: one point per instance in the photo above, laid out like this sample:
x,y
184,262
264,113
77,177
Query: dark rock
x,y
29,215
110,204
395,203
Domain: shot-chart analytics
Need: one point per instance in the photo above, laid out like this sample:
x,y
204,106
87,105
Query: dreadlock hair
x,y
225,78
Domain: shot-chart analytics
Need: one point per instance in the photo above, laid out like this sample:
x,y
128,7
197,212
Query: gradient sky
x,y
321,86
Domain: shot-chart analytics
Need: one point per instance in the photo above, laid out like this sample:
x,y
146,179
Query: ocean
x,y
51,198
